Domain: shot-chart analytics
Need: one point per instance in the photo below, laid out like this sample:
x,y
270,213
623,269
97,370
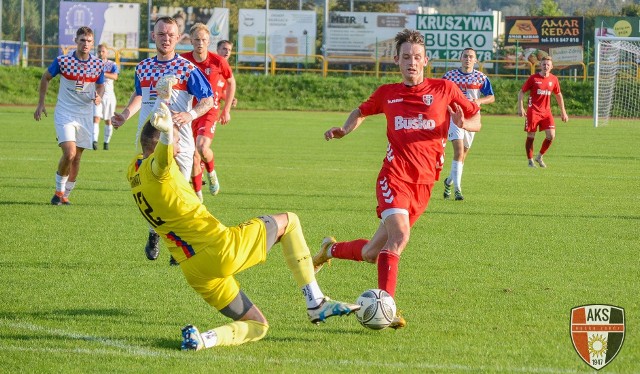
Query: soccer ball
x,y
377,309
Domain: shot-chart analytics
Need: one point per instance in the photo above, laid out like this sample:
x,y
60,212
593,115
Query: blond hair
x,y
199,27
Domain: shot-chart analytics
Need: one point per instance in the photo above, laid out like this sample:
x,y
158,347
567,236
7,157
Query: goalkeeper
x,y
208,252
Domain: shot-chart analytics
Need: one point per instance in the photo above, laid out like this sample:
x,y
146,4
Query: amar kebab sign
x,y
536,37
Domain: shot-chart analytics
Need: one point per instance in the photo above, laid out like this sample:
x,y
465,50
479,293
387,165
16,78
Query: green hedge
x,y
296,92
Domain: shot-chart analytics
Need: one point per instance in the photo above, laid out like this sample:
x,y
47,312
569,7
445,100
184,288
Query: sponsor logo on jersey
x,y
543,92
597,333
393,101
419,123
427,99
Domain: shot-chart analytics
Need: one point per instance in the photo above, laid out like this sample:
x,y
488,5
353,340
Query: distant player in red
x,y
218,72
224,49
418,111
538,116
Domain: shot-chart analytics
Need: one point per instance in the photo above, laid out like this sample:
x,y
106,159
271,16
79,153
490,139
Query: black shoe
x,y
95,146
447,189
105,146
459,196
152,249
173,262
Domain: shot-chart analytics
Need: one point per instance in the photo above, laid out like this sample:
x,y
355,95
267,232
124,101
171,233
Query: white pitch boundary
x,y
136,351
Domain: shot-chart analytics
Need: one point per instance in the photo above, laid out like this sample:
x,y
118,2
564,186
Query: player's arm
x,y
99,93
485,100
354,120
521,111
563,112
163,153
487,93
230,94
42,93
135,102
471,124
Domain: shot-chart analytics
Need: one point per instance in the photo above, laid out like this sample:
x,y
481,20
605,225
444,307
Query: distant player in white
x,y
107,108
473,84
81,87
189,83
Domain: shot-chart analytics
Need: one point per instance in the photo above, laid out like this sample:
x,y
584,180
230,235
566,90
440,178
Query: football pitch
x,y
486,284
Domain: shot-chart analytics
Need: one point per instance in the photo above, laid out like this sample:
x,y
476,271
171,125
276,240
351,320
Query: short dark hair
x,y
410,36
223,42
84,30
166,19
149,137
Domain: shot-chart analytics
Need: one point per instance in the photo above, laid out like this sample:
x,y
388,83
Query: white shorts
x,y
74,129
456,133
184,158
106,108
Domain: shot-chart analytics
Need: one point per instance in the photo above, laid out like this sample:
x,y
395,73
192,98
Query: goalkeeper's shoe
x,y
329,308
322,257
398,322
191,340
152,249
161,118
459,196
214,185
540,161
447,188
59,199
531,164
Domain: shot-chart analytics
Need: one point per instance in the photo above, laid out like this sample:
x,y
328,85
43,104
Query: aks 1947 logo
x,y
597,333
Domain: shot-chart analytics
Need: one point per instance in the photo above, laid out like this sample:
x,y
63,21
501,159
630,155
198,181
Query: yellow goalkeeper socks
x,y
234,333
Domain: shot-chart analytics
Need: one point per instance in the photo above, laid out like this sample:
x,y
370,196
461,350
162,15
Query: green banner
x,y
618,26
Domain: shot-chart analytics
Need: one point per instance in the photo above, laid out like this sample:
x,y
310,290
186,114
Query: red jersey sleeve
x,y
527,84
556,85
373,105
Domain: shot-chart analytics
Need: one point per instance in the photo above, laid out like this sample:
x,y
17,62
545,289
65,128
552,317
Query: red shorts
x,y
393,193
537,122
204,126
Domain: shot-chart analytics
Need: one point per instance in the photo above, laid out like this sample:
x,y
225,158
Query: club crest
x,y
597,333
427,99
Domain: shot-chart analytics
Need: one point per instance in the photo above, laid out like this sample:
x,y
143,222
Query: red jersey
x,y
217,70
540,89
417,125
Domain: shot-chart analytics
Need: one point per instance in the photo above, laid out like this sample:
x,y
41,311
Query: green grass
x,y
486,284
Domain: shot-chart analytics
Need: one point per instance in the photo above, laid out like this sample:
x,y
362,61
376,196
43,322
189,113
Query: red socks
x,y
388,271
528,146
208,166
349,250
197,182
545,145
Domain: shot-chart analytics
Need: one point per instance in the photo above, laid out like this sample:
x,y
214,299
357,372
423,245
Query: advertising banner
x,y
618,26
217,19
531,38
360,35
10,53
116,24
291,32
446,36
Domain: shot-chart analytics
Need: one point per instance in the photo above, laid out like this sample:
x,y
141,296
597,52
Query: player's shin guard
x,y
546,143
388,271
528,146
235,333
197,182
349,250
209,166
296,252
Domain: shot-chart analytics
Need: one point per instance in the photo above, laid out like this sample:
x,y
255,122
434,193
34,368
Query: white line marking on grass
x,y
136,351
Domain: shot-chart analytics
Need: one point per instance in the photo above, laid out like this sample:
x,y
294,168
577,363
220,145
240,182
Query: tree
x,y
546,8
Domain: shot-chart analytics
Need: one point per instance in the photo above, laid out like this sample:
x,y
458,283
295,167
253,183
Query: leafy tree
x,y
546,8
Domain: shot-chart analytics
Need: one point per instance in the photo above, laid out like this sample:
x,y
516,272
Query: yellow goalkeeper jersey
x,y
171,207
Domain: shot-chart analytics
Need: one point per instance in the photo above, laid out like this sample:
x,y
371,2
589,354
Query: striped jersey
x,y
77,82
473,84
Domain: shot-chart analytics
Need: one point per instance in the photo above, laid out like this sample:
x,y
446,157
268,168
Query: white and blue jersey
x,y
78,80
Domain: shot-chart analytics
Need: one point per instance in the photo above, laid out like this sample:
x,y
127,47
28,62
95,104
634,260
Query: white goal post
x,y
616,88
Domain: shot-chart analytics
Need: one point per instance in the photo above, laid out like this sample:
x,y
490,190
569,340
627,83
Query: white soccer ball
x,y
377,309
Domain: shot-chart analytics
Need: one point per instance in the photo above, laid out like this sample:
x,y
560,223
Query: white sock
x,y
61,181
456,174
312,294
68,187
96,131
108,131
209,338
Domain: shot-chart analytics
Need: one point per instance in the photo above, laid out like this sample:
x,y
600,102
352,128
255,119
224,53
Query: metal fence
x,y
42,55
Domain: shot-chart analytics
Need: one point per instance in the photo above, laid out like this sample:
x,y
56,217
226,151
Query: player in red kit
x,y
418,111
538,116
218,72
